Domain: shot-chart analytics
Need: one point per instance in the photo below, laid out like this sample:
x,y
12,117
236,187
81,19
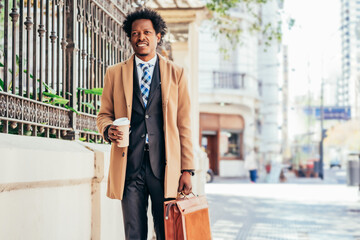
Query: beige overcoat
x,y
116,102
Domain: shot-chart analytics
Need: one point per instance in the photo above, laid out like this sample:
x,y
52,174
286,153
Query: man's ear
x,y
158,36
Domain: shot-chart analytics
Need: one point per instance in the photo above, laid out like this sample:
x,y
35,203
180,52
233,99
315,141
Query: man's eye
x,y
134,33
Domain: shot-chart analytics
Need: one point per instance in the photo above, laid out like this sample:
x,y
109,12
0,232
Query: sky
x,y
314,53
314,44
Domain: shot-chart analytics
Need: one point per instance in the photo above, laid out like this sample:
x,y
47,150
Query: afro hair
x,y
145,13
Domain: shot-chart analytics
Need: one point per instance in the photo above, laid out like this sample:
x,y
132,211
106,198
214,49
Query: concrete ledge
x,y
46,213
34,159
107,216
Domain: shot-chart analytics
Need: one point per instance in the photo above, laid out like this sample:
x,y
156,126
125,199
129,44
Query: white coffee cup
x,y
123,125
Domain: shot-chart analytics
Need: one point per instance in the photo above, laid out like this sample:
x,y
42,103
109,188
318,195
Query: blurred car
x,y
335,163
209,176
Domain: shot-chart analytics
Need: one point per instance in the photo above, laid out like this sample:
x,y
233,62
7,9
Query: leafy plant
x,y
227,25
93,91
49,94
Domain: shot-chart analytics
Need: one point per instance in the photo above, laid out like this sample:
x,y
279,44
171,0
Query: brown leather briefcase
x,y
187,218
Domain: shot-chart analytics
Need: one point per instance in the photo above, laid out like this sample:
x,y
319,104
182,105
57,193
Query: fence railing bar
x,y
87,50
93,52
47,34
21,46
98,55
81,37
84,54
34,132
34,73
63,47
58,47
41,32
28,25
73,52
52,40
6,38
80,46
87,65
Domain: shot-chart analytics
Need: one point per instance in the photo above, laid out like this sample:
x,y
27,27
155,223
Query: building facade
x,y
349,84
228,97
269,79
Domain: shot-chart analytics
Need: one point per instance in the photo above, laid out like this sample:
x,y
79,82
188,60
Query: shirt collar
x,y
151,61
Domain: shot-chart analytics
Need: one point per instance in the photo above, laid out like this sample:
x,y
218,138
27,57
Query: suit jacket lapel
x,y
137,90
127,79
155,82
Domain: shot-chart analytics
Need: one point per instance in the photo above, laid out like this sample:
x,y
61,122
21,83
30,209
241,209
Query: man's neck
x,y
147,57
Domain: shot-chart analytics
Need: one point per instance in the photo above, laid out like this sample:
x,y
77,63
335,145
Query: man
x,y
152,92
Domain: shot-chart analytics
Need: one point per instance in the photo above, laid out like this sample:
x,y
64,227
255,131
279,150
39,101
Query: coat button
x,y
143,135
146,116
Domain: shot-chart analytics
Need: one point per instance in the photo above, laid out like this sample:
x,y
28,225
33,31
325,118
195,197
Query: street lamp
x,y
321,150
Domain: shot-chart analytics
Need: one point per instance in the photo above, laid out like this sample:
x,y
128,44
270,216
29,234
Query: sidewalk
x,y
300,209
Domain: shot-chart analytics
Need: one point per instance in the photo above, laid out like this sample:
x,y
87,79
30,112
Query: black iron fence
x,y
53,57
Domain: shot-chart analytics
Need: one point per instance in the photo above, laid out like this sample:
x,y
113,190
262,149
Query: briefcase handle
x,y
181,195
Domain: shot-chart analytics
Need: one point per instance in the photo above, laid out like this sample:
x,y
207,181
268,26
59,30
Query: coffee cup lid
x,y
121,121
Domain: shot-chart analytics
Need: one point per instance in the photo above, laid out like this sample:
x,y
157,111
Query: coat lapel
x,y
165,80
127,79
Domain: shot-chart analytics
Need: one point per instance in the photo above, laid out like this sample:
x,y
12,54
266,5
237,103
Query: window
x,y
230,144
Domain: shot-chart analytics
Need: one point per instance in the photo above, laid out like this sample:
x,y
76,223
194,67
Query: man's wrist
x,y
190,171
106,133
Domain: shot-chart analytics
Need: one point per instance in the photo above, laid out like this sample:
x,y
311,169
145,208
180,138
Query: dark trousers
x,y
253,175
135,203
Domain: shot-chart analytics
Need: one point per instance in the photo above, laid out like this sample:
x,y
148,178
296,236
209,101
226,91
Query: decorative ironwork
x,y
86,123
56,47
20,109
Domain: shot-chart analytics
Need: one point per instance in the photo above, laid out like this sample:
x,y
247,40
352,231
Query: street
x,y
304,209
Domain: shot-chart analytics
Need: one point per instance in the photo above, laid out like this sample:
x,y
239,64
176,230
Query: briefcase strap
x,y
168,210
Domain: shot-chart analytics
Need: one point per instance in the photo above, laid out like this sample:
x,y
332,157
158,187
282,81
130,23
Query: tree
x,y
226,22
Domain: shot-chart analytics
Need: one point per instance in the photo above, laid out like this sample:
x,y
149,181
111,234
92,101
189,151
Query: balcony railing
x,y
228,80
54,55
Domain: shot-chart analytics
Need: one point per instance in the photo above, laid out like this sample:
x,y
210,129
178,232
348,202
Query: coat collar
x,y
128,78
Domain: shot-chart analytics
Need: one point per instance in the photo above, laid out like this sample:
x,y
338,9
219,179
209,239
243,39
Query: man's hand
x,y
115,135
185,183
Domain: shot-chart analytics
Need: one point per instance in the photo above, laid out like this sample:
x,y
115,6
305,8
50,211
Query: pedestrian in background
x,y
250,164
153,93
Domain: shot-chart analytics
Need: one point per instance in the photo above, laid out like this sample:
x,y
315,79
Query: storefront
x,y
222,137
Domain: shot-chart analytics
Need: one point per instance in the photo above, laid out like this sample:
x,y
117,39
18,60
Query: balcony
x,y
228,88
228,80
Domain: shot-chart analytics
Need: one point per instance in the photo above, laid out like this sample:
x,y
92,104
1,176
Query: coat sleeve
x,y
184,123
106,113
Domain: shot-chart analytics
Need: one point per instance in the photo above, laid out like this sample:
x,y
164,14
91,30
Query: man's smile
x,y
142,44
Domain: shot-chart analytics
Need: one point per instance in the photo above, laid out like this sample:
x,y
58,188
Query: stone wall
x,y
56,189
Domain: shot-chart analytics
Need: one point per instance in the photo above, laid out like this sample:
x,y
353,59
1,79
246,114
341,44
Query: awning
x,y
175,4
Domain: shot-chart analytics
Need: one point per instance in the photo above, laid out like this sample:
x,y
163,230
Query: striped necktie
x,y
145,82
